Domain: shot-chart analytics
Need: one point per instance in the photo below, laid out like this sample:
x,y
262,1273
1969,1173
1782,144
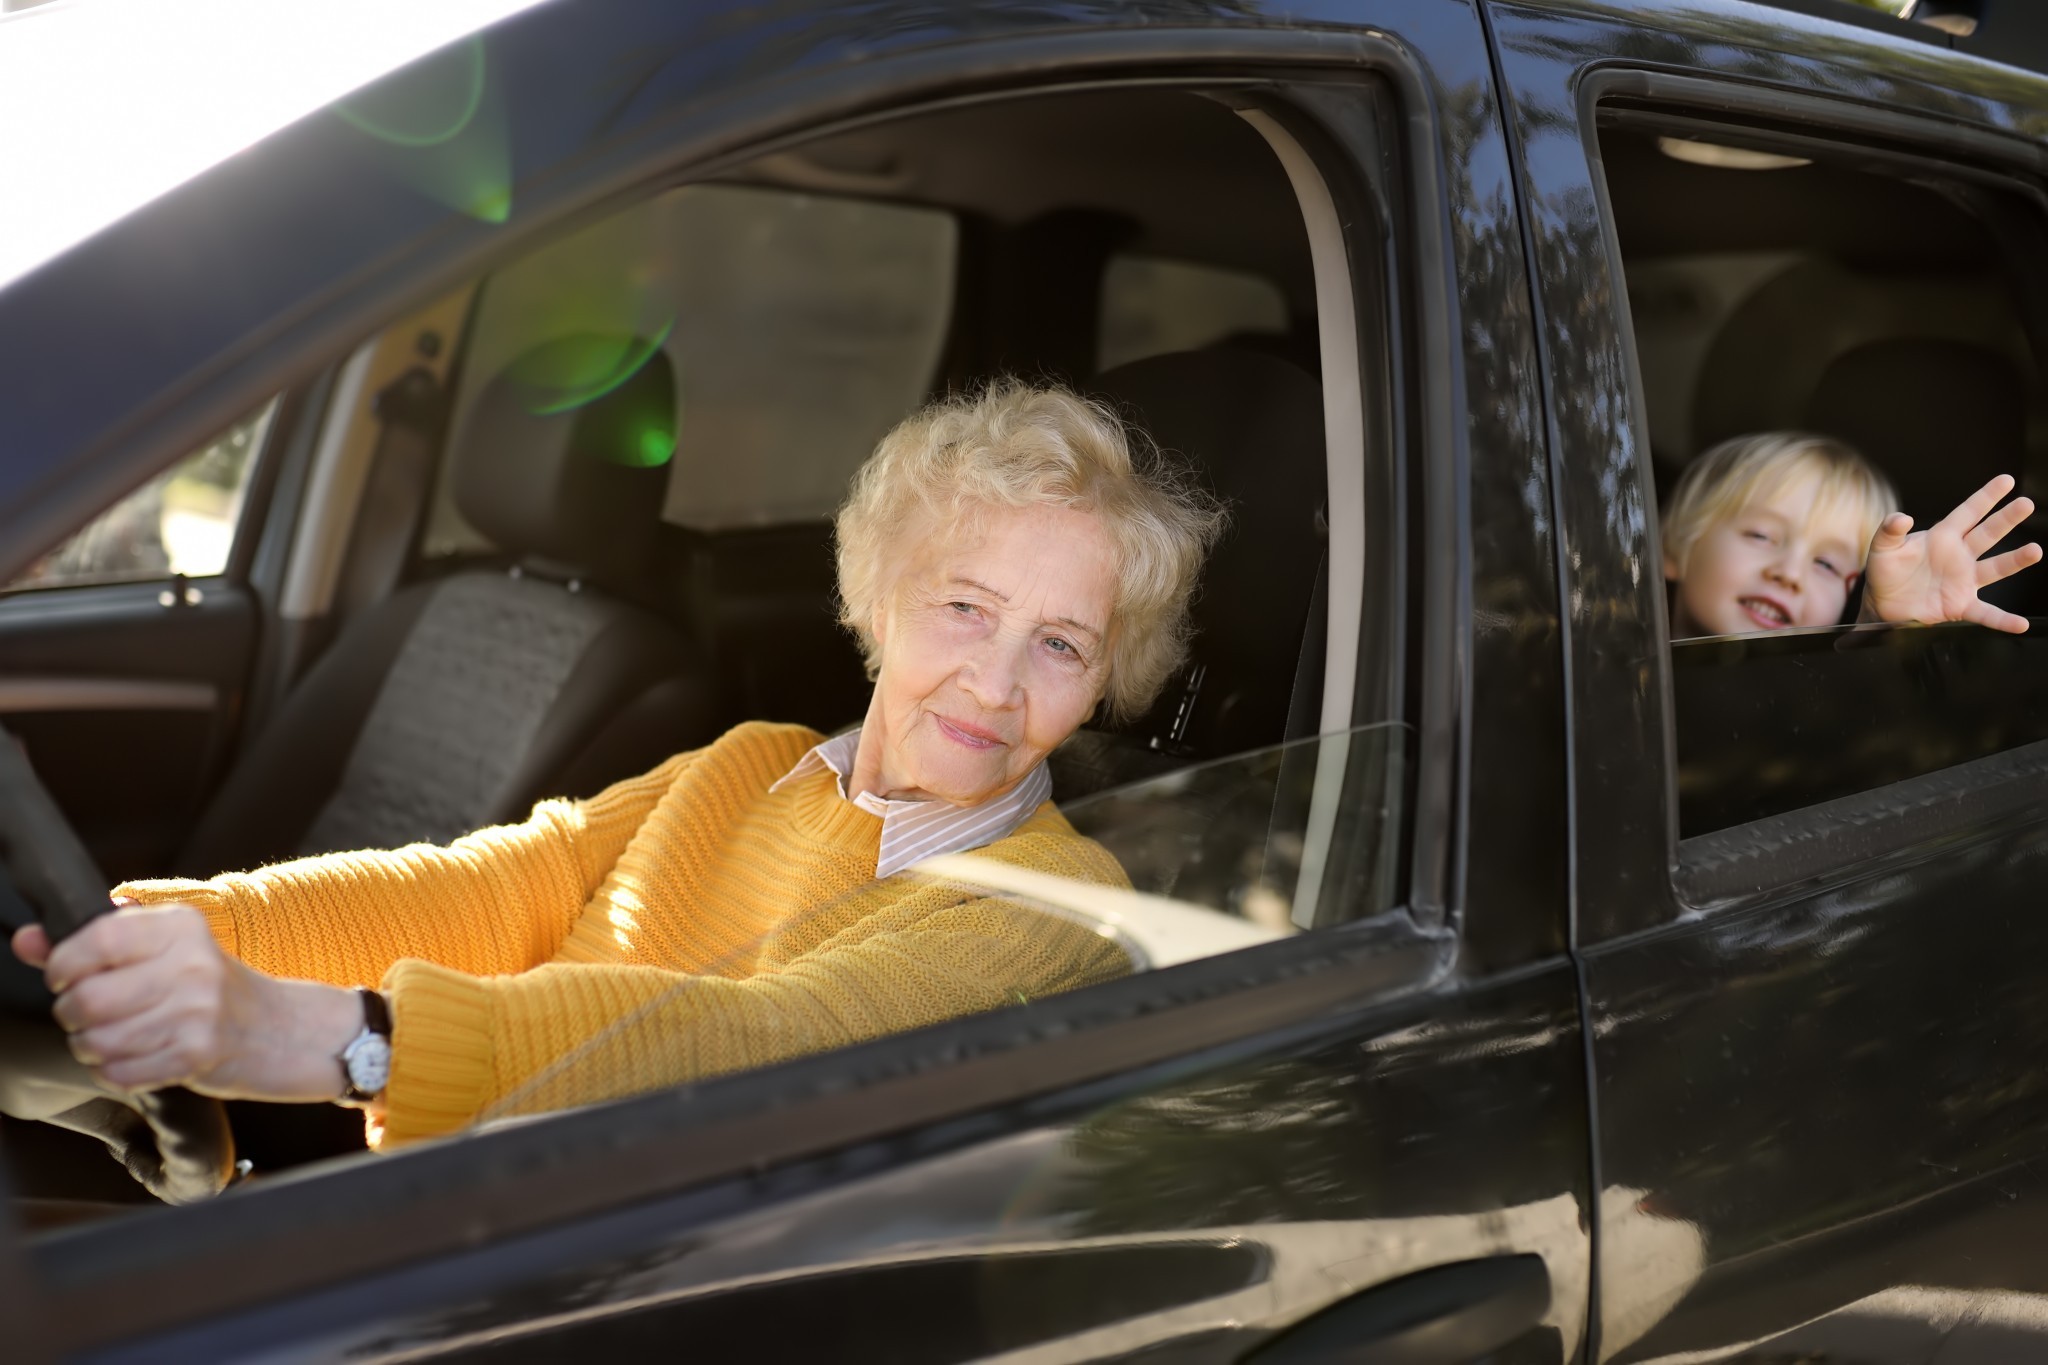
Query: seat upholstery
x,y
1252,425
1939,417
458,703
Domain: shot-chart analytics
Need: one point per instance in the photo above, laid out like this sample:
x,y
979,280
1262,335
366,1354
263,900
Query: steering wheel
x,y
175,1142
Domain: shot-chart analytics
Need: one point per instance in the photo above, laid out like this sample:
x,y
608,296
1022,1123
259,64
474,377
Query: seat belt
x,y
412,413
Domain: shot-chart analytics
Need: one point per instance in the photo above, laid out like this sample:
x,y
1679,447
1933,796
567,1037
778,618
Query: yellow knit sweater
x,y
681,924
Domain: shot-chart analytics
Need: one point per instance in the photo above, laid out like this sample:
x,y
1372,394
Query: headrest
x,y
1821,347
564,457
1252,425
1940,417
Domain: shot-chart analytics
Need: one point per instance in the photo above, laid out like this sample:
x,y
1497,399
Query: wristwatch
x,y
366,1061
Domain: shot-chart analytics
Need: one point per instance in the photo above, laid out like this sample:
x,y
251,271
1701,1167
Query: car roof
x,y
120,101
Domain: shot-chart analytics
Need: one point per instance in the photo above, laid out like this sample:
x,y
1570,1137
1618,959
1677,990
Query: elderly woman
x,y
1007,564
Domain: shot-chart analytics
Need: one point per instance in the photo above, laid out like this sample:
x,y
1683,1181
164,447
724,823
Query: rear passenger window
x,y
799,327
1877,302
1153,306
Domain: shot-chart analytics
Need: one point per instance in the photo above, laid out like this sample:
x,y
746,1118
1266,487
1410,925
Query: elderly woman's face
x,y
995,647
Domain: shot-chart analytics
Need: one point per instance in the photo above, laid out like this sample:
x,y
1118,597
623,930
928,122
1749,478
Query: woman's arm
x,y
238,986
466,1049
498,900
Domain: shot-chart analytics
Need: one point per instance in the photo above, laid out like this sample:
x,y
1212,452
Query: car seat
x,y
457,703
1941,418
1252,425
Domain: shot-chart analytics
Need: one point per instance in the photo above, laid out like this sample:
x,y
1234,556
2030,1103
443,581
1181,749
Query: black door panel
x,y
1843,1092
1829,1069
126,705
1159,1220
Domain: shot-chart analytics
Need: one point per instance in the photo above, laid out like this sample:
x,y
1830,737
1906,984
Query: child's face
x,y
1781,561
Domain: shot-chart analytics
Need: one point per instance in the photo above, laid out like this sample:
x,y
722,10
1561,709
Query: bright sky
x,y
107,104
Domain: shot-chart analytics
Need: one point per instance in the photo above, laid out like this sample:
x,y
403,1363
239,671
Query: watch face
x,y
368,1060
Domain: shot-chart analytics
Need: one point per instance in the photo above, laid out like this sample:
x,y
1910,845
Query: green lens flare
x,y
657,448
443,129
424,105
616,390
492,204
579,370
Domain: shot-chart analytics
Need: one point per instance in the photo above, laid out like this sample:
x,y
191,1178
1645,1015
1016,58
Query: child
x,y
1769,531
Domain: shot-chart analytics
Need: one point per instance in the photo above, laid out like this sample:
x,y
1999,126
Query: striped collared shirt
x,y
914,830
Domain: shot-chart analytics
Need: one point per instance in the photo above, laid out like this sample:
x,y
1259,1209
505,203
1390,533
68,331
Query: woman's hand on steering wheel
x,y
149,999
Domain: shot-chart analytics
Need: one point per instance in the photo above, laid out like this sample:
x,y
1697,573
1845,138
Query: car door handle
x,y
1441,1316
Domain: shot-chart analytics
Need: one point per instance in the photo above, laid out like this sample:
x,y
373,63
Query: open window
x,y
1781,279
744,338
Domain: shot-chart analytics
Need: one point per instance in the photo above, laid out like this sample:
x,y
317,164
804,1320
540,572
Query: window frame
x,y
117,1282
272,417
1868,832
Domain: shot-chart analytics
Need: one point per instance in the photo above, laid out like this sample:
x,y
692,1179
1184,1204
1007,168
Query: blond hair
x,y
1747,469
1013,444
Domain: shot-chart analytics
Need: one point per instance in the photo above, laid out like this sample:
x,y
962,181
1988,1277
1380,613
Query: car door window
x,y
182,522
1763,303
798,325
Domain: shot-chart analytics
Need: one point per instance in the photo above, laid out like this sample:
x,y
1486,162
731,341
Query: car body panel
x,y
1836,1079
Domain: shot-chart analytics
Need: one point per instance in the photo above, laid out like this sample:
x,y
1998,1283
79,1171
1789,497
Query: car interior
x,y
597,531
1898,307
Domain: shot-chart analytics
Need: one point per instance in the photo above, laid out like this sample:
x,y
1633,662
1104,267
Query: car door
x,y
1364,1125
128,646
1803,899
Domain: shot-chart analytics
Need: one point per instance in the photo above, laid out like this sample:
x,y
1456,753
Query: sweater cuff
x,y
207,898
441,1072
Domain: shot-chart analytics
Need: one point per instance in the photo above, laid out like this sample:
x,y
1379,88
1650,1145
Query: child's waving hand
x,y
1934,575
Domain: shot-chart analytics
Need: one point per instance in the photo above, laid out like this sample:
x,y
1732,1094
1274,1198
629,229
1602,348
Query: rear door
x,y
1351,1117
1806,907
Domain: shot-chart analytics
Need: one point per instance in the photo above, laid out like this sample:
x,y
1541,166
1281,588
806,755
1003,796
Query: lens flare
x,y
441,125
575,371
656,447
426,106
619,390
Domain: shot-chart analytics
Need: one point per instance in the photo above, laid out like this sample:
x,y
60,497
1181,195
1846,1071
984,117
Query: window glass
x,y
181,522
1223,856
800,328
1773,723
1766,314
1152,306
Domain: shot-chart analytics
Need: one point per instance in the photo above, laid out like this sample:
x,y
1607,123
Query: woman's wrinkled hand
x,y
1934,575
149,1000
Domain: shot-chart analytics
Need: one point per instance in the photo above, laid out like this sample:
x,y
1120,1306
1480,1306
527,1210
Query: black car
x,y
1525,986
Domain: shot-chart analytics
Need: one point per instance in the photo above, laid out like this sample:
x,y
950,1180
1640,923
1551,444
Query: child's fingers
x,y
1998,525
2006,565
1978,505
1984,614
1891,533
